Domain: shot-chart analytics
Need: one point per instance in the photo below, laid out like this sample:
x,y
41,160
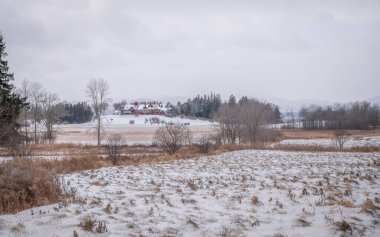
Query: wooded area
x,y
358,115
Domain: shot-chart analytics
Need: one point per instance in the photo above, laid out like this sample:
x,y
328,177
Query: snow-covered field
x,y
145,120
243,193
359,142
140,132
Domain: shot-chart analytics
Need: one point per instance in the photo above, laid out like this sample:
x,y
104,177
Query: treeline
x,y
245,121
201,106
358,115
77,113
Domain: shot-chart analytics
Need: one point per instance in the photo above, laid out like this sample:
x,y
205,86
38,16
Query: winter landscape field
x,y
243,193
192,118
141,131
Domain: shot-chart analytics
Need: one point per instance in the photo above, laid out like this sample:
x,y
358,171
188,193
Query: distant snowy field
x,y
359,142
141,131
124,120
243,193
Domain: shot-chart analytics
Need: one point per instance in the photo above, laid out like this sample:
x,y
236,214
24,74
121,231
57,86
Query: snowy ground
x,y
359,142
244,193
144,120
140,132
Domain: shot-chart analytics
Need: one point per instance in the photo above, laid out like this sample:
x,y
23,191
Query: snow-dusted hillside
x,y
244,193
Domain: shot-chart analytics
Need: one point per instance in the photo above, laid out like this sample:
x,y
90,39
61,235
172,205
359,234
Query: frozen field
x,y
359,142
141,132
244,193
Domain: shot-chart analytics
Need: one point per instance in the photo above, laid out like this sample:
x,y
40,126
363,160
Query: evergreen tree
x,y
201,106
277,114
243,100
77,113
232,100
10,102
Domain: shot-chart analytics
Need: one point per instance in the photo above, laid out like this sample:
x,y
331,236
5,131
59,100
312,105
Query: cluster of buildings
x,y
145,108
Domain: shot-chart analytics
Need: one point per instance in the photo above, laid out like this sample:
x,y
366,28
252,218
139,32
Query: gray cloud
x,y
290,49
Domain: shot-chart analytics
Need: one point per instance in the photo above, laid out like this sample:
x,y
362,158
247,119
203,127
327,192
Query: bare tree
x,y
341,137
228,123
253,115
97,91
52,113
25,92
36,94
44,110
114,144
290,120
171,137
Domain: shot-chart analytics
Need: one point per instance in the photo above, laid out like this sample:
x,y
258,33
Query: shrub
x,y
340,138
114,145
204,144
171,137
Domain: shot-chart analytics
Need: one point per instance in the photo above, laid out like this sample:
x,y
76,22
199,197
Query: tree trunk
x,y
98,131
35,131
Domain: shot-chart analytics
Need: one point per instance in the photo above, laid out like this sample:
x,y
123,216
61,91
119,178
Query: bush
x,y
114,144
23,185
340,138
204,144
171,137
91,225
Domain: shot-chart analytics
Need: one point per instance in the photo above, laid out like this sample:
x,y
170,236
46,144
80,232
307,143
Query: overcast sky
x,y
292,49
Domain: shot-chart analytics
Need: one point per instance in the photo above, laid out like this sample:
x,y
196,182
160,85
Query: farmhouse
x,y
147,108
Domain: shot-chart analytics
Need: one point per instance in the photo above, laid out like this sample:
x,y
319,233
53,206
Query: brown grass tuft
x,y
369,206
302,223
255,201
91,225
344,203
343,226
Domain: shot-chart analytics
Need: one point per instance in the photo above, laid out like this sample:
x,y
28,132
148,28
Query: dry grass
x,y
255,201
369,207
25,184
91,225
302,222
192,222
343,203
343,226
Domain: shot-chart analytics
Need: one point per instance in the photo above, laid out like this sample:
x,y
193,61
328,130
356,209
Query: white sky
x,y
289,49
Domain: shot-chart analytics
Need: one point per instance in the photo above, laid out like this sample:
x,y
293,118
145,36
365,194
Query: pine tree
x,y
232,100
10,102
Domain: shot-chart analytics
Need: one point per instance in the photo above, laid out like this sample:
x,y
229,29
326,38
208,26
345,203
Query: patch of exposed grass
x,y
90,224
343,226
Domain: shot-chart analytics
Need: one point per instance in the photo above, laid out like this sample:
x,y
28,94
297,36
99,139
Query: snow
x,y
116,120
357,142
140,132
213,195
